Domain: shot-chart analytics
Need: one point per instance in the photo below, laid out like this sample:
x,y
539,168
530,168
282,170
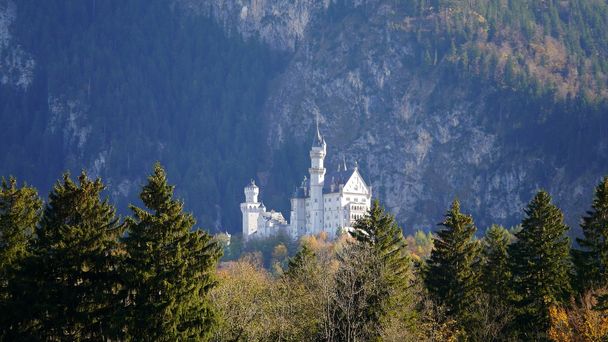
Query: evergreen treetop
x,y
379,230
592,258
168,269
20,209
19,214
65,289
304,261
540,265
452,275
495,271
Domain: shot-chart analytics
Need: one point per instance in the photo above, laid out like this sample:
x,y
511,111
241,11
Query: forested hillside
x,y
484,100
70,269
125,84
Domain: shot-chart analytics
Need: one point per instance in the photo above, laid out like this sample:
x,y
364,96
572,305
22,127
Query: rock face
x,y
280,24
420,134
421,141
16,65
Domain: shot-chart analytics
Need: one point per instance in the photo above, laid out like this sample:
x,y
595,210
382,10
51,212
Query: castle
x,y
321,203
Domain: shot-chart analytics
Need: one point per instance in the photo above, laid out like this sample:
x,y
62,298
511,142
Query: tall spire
x,y
318,141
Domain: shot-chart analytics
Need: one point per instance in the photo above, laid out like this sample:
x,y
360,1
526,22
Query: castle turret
x,y
250,209
317,179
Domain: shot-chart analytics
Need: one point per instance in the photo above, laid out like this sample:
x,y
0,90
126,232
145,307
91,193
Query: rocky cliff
x,y
224,90
422,139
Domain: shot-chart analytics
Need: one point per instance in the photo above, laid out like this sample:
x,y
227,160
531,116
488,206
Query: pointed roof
x,y
342,178
342,167
336,179
318,139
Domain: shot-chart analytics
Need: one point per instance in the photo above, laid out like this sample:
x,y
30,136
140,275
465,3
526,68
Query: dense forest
x,y
486,101
72,270
124,84
112,86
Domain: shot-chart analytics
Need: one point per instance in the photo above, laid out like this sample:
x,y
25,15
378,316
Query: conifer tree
x,y
592,258
168,269
379,230
19,214
540,266
452,275
496,275
302,263
65,290
383,273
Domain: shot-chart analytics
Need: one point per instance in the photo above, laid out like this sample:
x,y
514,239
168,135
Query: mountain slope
x,y
434,99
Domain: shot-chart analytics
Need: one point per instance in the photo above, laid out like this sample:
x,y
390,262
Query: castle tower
x,y
250,209
317,179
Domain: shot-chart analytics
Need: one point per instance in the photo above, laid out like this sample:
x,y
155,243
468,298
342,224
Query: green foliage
x,y
65,289
264,246
168,269
452,274
592,259
147,80
554,47
374,278
302,263
19,214
358,298
540,266
420,245
496,275
72,279
379,230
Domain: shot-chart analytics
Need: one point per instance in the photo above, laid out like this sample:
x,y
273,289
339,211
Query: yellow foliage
x,y
560,327
580,322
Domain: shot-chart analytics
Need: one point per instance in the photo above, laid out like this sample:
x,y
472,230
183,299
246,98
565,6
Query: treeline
x,y
118,84
522,284
541,47
71,270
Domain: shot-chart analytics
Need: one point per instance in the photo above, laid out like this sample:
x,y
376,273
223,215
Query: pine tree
x,y
379,230
168,269
496,274
452,275
540,266
592,258
374,278
302,263
19,214
65,290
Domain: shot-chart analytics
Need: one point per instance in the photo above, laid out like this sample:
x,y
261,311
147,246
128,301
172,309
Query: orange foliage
x,y
579,322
